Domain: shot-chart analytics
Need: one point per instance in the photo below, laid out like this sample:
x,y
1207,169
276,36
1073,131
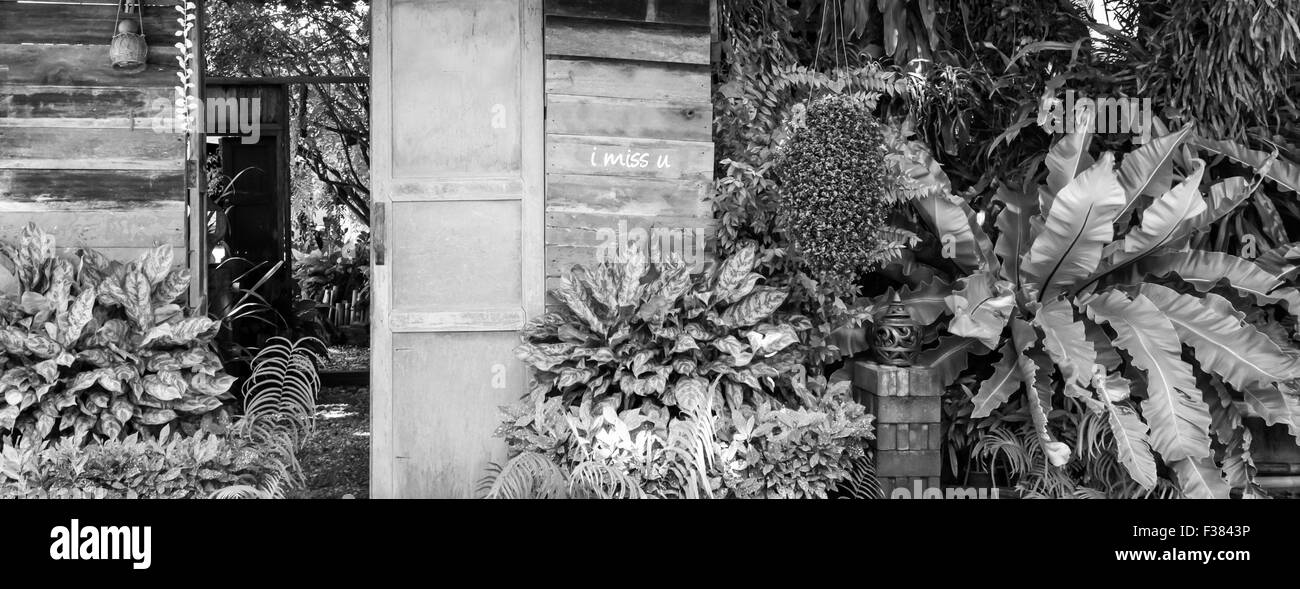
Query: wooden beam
x,y
625,117
78,24
630,41
667,82
110,188
84,65
679,12
23,101
277,80
90,149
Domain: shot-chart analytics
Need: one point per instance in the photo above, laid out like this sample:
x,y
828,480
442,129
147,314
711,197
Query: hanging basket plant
x,y
128,50
833,203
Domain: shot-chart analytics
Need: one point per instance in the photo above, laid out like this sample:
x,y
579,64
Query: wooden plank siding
x,y
79,152
628,127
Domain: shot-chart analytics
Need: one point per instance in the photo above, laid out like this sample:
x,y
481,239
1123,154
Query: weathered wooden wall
x,y
79,152
625,78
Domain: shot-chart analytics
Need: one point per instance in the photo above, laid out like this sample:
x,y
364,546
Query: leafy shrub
x,y
318,272
170,466
803,453
255,457
97,346
636,334
599,452
637,370
765,451
834,205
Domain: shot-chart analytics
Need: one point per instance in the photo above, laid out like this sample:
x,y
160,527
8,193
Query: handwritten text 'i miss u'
x,y
626,159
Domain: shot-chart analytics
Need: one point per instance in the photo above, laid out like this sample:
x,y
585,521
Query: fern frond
x,y
527,476
240,492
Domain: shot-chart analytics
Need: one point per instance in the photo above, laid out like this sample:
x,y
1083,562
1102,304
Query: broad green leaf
x,y
1069,156
1036,372
1066,340
1281,260
1077,227
139,299
1284,173
1269,217
1271,404
1142,168
1204,269
768,340
574,296
1224,197
165,386
1200,478
1172,211
634,268
1238,464
1005,381
1178,417
1224,345
953,221
1013,224
755,307
600,284
156,263
1132,445
981,307
950,357
925,303
736,272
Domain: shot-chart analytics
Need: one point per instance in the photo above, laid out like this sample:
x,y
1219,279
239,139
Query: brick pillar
x,y
907,403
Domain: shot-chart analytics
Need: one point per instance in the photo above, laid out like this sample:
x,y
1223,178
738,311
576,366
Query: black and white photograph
x,y
350,256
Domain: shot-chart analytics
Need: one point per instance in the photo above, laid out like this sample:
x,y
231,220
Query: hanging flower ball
x,y
128,27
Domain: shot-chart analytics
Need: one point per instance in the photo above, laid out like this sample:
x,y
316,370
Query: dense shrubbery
x,y
647,383
112,390
169,466
759,451
804,453
98,346
833,200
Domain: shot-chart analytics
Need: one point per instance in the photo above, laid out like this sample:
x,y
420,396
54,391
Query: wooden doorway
x,y
457,234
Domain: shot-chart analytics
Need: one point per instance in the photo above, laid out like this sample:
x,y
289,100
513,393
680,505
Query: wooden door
x,y
458,233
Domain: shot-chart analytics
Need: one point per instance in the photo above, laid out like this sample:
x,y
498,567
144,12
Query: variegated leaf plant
x,y
89,345
632,331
